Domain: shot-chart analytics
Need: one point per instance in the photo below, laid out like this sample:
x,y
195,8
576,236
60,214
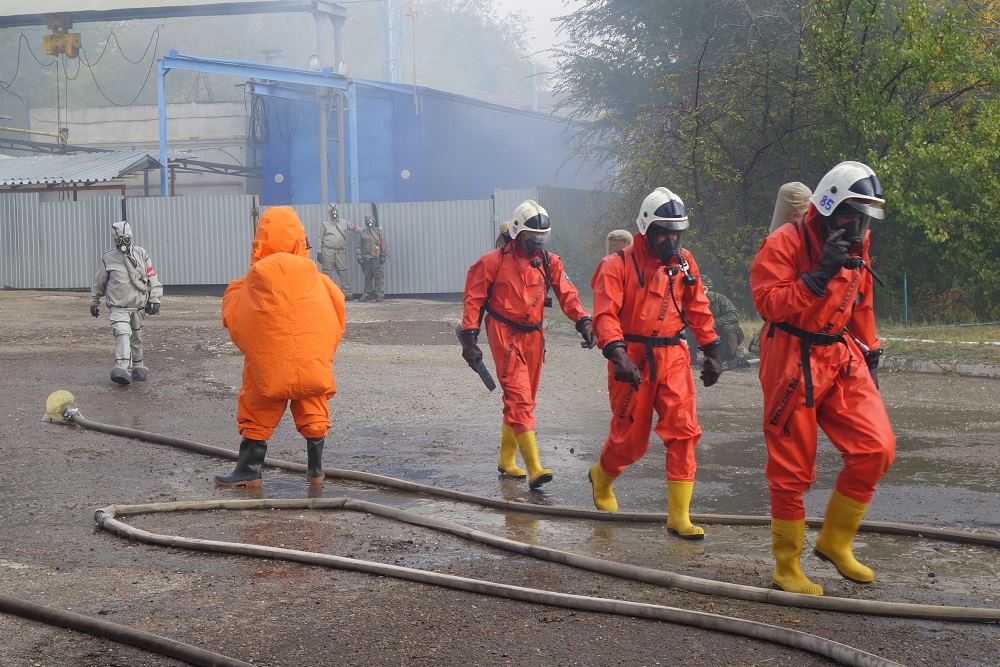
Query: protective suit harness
x,y
654,340
807,338
543,265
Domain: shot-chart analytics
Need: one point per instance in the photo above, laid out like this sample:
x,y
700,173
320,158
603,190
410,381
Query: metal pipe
x,y
57,135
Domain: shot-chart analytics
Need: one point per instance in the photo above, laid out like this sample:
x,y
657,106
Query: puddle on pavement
x,y
952,474
905,566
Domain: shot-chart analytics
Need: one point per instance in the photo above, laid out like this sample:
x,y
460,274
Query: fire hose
x,y
61,408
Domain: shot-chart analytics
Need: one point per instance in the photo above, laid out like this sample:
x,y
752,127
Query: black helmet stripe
x,y
537,223
869,187
669,209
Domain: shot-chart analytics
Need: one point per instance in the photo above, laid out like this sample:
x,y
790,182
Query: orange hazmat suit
x,y
512,293
287,319
813,371
635,298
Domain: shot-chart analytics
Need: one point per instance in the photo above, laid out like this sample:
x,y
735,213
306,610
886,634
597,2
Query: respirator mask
x,y
666,245
123,242
853,219
534,241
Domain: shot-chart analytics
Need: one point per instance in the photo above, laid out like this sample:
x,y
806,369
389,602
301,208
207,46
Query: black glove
x,y
585,326
360,261
470,348
153,308
624,369
95,310
835,254
711,367
871,358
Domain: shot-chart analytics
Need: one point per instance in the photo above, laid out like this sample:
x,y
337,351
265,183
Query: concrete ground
x,y
408,407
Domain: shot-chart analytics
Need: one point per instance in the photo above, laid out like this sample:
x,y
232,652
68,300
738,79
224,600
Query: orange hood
x,y
279,230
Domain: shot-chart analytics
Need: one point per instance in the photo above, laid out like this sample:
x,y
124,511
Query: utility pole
x,y
413,15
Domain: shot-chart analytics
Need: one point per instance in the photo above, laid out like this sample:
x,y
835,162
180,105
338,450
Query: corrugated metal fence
x,y
197,241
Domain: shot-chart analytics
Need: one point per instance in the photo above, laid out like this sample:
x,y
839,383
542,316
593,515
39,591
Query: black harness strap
x,y
807,339
653,341
528,328
519,326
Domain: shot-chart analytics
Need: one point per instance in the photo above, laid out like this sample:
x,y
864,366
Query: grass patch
x,y
939,343
943,343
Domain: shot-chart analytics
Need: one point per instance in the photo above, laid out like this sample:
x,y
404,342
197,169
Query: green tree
x,y
736,98
916,84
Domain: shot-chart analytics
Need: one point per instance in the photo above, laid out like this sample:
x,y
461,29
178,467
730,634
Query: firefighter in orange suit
x,y
510,286
819,367
644,295
287,319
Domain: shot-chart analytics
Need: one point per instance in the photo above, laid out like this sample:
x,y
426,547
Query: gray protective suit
x,y
128,283
333,250
373,253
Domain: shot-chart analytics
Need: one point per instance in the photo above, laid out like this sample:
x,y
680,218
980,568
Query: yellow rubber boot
x,y
537,475
843,517
786,543
508,448
678,504
604,497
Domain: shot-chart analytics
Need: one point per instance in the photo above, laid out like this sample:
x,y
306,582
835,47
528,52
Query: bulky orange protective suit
x,y
843,399
505,281
287,319
634,296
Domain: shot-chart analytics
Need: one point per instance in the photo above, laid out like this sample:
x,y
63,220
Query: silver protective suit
x,y
127,282
333,252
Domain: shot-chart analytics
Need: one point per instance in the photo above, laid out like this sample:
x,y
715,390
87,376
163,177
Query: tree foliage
x,y
737,97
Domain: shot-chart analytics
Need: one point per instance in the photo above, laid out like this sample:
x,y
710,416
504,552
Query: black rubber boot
x,y
314,450
248,465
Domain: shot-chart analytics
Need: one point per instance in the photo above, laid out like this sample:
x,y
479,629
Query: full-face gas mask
x,y
665,243
531,225
369,221
533,242
122,236
334,213
855,224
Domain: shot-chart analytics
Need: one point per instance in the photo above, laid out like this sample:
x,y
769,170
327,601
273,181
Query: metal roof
x,y
79,168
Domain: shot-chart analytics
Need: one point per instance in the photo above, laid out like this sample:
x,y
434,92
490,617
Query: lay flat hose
x,y
847,655
647,575
105,518
119,633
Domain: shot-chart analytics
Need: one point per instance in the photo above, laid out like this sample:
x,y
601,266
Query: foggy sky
x,y
541,31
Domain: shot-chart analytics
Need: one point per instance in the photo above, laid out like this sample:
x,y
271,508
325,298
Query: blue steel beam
x,y
324,78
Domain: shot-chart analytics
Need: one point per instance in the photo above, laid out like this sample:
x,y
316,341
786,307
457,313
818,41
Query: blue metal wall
x,y
450,148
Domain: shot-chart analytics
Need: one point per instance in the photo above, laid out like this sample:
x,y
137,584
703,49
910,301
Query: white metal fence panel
x,y
53,245
433,244
205,241
506,201
195,240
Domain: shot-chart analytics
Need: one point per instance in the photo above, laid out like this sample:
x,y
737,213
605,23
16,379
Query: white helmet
x,y
663,208
851,183
532,219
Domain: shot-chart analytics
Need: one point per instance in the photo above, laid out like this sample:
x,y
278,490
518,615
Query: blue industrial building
x,y
418,145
